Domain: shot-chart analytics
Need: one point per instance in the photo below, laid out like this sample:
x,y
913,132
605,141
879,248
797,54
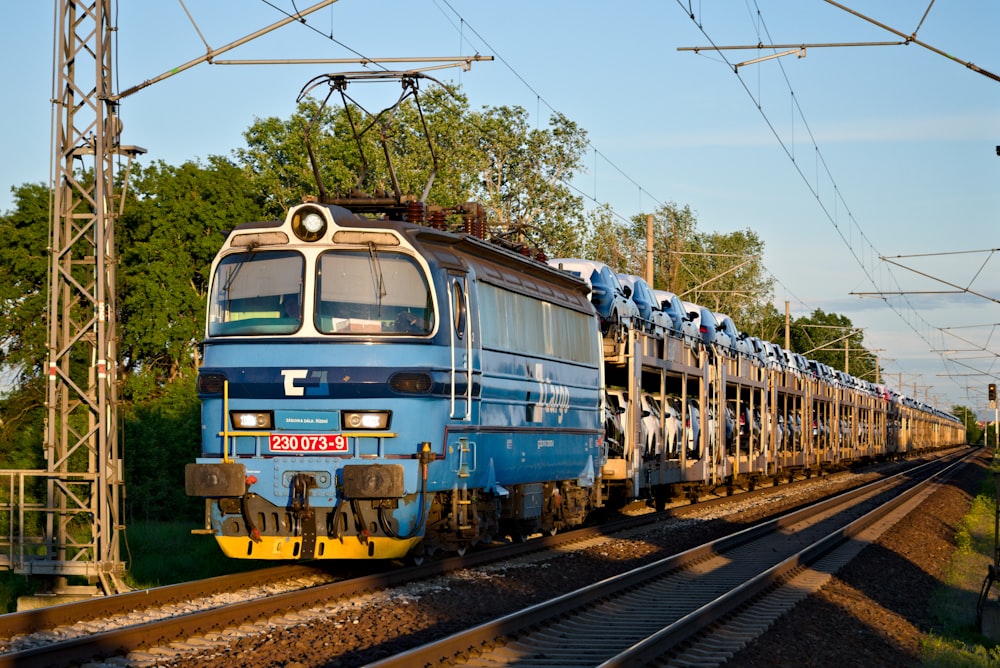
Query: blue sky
x,y
834,159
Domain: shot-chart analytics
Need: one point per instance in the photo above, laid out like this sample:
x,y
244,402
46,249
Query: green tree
x,y
161,434
347,144
442,156
23,292
22,425
768,325
23,333
973,432
674,230
724,272
607,241
518,173
524,174
171,229
833,340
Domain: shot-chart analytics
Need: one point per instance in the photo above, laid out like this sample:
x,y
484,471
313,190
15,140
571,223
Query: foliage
x,y
276,160
973,432
769,326
956,653
518,174
724,272
164,553
608,242
446,160
12,587
161,435
276,157
22,426
956,641
524,173
168,236
833,340
23,292
990,436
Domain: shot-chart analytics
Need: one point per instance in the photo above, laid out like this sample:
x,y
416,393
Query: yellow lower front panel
x,y
346,547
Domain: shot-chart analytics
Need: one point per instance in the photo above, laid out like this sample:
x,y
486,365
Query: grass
x,y
12,587
162,553
156,554
957,642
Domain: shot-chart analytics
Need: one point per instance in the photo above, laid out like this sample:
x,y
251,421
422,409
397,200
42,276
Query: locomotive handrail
x,y
451,340
225,422
468,353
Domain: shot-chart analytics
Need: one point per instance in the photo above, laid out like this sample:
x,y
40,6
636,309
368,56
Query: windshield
x,y
372,292
257,292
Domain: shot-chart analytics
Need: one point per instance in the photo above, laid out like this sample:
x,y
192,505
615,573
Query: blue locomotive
x,y
374,388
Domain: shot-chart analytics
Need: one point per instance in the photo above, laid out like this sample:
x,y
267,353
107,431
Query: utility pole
x,y
649,249
788,332
83,460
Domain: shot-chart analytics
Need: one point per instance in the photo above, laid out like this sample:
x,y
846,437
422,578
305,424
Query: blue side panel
x,y
531,420
539,420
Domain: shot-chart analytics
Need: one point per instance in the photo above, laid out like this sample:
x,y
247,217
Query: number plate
x,y
308,443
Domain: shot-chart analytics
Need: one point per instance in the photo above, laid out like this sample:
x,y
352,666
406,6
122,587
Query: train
x,y
381,387
375,388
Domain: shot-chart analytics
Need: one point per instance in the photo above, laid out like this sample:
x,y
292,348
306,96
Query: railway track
x,y
147,633
156,620
699,607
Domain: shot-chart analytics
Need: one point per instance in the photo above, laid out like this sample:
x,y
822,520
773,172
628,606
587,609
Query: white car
x,y
656,322
655,439
619,397
726,328
702,325
673,306
617,312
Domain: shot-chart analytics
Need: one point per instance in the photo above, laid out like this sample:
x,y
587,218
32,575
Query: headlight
x,y
252,419
365,419
308,223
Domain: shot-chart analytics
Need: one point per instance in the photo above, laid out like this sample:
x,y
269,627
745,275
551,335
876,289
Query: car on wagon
x,y
654,320
616,311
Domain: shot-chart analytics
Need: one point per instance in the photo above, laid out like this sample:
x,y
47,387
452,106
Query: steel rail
x,y
40,619
686,627
650,595
164,631
157,633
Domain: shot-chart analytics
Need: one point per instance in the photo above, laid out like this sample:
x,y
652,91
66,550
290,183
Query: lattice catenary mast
x,y
83,459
